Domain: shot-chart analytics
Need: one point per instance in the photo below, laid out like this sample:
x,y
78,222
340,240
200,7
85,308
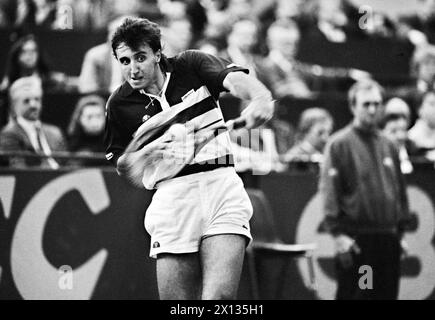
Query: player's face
x,y
368,104
140,68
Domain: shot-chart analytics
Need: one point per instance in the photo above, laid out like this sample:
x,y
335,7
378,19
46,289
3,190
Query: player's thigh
x,y
222,261
178,276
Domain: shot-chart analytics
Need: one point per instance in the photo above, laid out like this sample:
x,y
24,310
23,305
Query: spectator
x,y
85,14
364,200
100,72
86,131
395,127
398,106
280,70
422,71
45,14
423,68
299,11
26,59
285,75
260,149
241,42
331,21
218,21
421,24
26,132
423,131
177,36
86,128
314,128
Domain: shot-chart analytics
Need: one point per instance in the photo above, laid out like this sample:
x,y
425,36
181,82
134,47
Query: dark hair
x,y
76,134
134,32
89,100
391,117
13,69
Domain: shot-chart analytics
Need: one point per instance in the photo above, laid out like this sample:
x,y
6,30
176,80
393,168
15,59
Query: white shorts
x,y
187,209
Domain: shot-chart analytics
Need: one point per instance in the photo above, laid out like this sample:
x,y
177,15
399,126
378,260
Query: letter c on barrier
x,y
33,275
7,187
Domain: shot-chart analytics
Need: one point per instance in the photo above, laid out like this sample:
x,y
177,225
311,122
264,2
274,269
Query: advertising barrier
x,y
80,235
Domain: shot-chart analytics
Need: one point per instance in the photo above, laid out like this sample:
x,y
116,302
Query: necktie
x,y
38,140
45,148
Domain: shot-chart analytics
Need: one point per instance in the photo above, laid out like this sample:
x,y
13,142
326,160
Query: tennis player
x,y
198,220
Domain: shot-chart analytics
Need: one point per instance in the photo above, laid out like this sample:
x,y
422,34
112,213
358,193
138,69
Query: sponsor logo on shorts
x,y
109,156
156,245
245,227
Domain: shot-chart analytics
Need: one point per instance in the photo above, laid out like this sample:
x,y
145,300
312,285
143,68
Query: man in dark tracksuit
x,y
365,200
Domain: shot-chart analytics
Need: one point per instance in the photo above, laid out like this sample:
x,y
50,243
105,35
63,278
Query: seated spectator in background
x,y
26,15
25,59
420,24
100,71
176,36
280,71
331,21
395,127
423,68
314,128
86,130
398,106
86,15
300,11
240,45
26,132
261,149
423,131
285,75
191,11
422,71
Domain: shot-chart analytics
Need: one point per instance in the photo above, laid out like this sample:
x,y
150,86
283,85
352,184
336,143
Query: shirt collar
x,y
28,125
165,86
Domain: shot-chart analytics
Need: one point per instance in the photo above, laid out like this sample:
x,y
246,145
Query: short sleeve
x,y
211,69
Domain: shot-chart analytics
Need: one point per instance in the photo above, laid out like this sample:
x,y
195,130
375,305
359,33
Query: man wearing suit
x,y
25,132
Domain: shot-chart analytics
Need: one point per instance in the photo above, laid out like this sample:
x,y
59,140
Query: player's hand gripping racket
x,y
164,157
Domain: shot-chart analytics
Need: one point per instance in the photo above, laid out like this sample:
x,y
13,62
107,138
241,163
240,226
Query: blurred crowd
x,y
262,35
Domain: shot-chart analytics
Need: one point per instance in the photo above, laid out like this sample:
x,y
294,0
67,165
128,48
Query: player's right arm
x,y
261,106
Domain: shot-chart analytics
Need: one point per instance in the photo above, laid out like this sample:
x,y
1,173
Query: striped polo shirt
x,y
190,95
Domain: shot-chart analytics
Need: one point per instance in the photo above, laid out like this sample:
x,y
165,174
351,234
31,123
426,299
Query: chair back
x,y
263,227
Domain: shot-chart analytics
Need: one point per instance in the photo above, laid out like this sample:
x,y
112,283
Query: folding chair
x,y
266,240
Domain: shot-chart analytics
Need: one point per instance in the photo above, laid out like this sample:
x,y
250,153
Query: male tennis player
x,y
199,219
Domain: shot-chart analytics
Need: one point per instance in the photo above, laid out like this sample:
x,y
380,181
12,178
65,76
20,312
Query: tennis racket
x,y
149,160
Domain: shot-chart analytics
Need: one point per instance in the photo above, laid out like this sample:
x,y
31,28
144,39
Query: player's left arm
x,y
261,105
